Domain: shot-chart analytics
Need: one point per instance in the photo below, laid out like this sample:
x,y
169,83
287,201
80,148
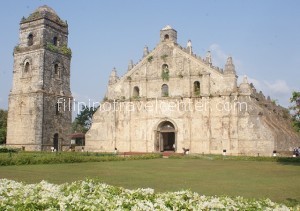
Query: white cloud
x,y
278,87
277,90
219,57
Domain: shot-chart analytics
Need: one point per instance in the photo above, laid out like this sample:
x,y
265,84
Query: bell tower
x,y
168,34
40,101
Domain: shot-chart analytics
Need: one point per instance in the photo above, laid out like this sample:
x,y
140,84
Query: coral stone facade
x,y
37,119
173,100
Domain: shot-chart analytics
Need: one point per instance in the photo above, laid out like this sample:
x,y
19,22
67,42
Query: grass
x,y
250,179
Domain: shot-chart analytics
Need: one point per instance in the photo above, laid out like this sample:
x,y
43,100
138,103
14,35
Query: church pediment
x,y
179,61
176,66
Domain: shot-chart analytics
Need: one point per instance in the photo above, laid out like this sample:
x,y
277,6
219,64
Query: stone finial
x,y
113,78
208,59
229,66
261,95
245,86
189,43
189,47
130,65
146,51
245,79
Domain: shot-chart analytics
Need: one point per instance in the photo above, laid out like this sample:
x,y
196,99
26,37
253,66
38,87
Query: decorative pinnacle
x,y
229,66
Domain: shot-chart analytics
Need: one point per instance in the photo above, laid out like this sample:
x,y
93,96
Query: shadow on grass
x,y
288,161
281,160
289,202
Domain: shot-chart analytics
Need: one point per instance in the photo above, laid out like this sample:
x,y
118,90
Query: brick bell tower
x,y
39,113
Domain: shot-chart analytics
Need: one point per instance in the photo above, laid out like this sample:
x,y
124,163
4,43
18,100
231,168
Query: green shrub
x,y
65,50
28,158
59,49
8,150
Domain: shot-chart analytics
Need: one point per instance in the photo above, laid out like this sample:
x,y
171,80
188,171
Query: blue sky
x,y
263,37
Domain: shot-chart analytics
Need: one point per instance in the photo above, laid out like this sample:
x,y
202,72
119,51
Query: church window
x,y
197,88
165,72
27,67
30,40
55,41
164,90
166,37
136,92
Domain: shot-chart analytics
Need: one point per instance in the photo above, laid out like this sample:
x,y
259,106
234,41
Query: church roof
x,y
44,12
167,27
77,135
45,9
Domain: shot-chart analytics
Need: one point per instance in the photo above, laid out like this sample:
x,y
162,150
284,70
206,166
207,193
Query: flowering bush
x,y
93,195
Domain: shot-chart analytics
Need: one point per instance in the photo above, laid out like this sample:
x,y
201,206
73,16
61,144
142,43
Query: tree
x,y
83,121
295,110
3,126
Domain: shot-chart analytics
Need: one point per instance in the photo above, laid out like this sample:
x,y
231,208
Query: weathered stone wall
x,y
239,131
41,77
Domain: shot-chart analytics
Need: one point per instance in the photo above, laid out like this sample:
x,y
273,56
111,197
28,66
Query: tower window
x,y
197,88
55,41
27,67
30,40
164,90
166,37
136,91
56,71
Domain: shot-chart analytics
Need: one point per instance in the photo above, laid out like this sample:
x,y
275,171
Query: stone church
x,y
171,100
174,100
37,119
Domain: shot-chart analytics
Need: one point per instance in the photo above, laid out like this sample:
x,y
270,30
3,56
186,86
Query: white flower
x,y
92,195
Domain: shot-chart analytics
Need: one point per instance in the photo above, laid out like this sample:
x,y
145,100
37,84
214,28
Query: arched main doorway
x,y
166,137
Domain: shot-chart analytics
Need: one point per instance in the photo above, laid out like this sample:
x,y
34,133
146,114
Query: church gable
x,y
184,73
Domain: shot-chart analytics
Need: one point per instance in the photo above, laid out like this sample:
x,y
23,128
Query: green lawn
x,y
251,179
